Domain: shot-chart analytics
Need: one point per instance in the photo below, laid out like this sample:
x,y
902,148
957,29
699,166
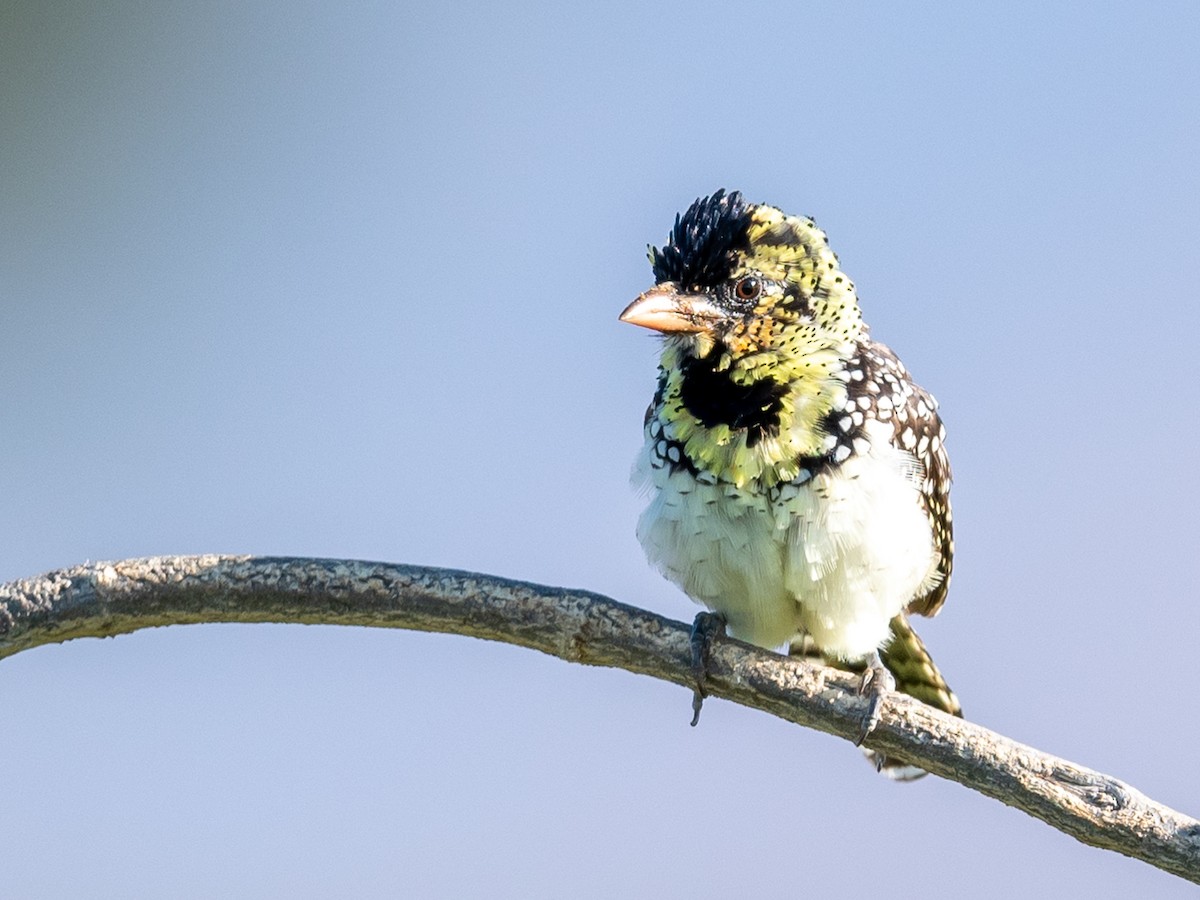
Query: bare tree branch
x,y
103,599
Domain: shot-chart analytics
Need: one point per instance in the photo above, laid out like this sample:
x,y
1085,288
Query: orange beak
x,y
667,309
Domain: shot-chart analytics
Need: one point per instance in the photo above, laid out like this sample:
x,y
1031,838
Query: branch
x,y
104,599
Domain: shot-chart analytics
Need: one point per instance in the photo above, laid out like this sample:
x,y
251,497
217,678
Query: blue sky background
x,y
343,280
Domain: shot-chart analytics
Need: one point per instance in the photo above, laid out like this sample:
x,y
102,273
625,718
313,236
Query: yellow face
x,y
804,289
756,340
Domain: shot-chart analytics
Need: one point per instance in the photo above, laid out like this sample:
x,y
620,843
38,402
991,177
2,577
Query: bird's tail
x,y
905,656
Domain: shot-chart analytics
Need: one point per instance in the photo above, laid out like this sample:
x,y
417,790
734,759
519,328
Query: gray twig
x,y
103,599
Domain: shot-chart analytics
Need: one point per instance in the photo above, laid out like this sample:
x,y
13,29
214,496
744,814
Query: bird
x,y
797,477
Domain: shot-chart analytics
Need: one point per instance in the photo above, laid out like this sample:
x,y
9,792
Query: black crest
x,y
702,246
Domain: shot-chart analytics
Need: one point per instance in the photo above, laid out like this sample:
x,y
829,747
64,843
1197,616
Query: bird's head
x,y
749,283
759,323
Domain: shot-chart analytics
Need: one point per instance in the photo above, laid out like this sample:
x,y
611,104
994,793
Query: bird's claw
x,y
706,626
876,681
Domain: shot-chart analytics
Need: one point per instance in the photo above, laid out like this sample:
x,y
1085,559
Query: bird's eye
x,y
748,288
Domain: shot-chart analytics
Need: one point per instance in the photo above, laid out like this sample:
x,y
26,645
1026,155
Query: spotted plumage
x,y
798,477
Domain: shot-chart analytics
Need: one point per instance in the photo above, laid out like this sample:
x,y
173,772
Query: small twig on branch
x,y
103,599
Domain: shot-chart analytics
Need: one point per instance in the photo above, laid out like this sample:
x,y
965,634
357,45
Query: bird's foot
x,y
876,681
706,626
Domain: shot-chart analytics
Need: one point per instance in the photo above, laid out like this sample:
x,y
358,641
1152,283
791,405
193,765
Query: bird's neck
x,y
751,421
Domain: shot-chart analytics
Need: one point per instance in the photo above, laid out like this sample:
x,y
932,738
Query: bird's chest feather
x,y
836,555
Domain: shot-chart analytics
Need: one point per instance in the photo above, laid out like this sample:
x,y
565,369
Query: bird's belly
x,y
721,545
860,549
836,557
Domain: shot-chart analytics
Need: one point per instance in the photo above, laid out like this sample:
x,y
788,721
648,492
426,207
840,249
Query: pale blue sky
x,y
343,281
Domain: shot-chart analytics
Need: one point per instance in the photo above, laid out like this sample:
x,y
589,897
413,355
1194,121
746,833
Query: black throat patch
x,y
715,399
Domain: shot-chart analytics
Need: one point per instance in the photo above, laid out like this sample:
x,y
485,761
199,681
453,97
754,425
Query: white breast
x,y
835,557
